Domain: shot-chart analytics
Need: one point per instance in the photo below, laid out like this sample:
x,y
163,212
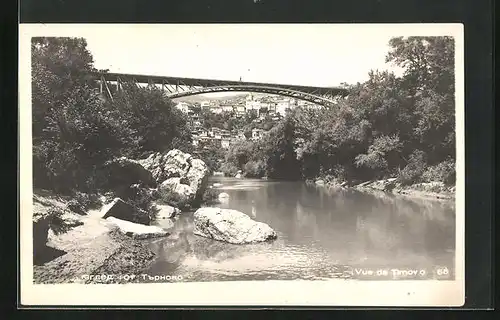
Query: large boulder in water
x,y
230,226
191,172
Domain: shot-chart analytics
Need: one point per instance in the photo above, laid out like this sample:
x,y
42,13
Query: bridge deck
x,y
210,82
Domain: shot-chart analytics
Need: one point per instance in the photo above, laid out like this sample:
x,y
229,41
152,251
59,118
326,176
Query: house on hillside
x,y
216,109
227,108
241,135
257,133
206,142
183,107
203,133
225,134
282,107
205,105
225,143
271,108
240,110
196,140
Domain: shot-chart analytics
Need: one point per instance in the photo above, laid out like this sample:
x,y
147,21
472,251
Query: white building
x,y
183,106
205,104
257,133
196,141
252,105
240,110
227,108
216,110
225,143
282,107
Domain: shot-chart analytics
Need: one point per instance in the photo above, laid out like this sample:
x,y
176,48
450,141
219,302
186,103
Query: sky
x,y
322,55
316,55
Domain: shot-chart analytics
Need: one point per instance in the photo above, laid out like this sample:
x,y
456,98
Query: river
x,y
321,234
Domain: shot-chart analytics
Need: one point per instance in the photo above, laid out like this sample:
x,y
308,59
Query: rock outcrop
x,y
230,226
50,212
176,171
166,212
136,230
41,226
124,211
174,185
433,190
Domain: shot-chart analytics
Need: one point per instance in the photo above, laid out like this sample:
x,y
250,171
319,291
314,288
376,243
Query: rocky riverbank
x,y
73,243
71,247
425,190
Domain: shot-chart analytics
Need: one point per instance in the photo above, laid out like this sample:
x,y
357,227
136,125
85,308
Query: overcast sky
x,y
301,54
319,55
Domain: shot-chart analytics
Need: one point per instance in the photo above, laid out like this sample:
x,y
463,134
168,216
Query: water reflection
x,y
319,230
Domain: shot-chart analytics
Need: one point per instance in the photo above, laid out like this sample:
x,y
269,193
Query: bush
x,y
442,172
82,202
139,197
229,169
175,200
210,196
413,171
76,130
255,169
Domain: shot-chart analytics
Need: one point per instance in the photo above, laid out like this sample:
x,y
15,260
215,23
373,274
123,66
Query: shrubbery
x,y
82,202
443,172
175,200
76,130
210,196
255,169
412,172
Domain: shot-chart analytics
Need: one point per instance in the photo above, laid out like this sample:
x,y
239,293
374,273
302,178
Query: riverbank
x,y
425,190
82,245
81,235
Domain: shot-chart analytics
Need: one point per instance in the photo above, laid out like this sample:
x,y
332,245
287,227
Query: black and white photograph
x,y
248,164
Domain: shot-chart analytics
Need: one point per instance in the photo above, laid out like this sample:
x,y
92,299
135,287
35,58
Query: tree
x,y
430,83
71,132
76,130
154,124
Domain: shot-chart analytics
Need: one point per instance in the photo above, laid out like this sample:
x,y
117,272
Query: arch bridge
x,y
176,87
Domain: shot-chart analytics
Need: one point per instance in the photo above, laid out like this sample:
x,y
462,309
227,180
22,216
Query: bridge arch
x,y
176,87
317,99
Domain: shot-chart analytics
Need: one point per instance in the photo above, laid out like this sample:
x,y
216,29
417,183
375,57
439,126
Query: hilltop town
x,y
253,110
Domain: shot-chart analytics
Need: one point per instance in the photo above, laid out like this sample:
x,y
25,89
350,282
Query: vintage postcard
x,y
241,165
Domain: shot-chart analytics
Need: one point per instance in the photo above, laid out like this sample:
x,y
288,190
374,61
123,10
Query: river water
x,y
322,234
